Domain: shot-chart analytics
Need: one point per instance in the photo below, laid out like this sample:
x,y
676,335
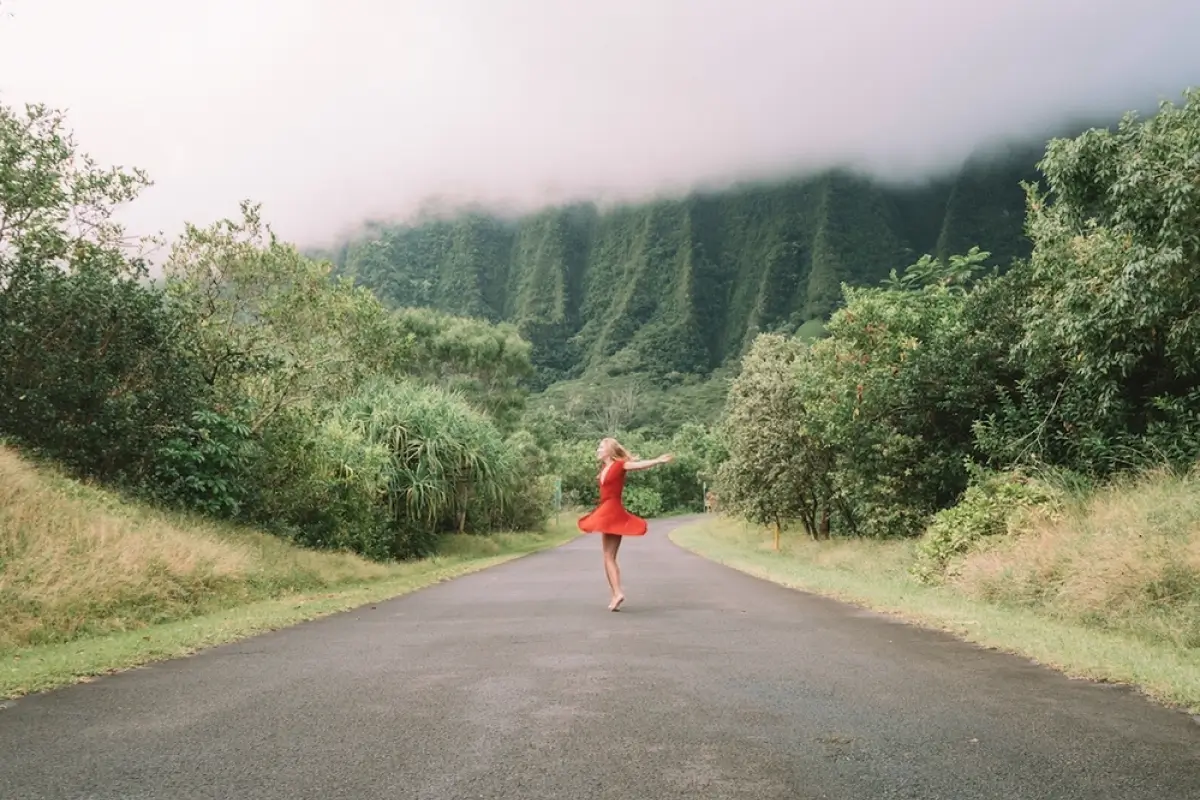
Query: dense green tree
x,y
93,369
869,430
1108,374
488,364
269,324
777,471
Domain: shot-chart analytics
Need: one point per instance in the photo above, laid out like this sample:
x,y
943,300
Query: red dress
x,y
610,516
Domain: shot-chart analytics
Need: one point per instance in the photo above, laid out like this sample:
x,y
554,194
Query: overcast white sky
x,y
331,111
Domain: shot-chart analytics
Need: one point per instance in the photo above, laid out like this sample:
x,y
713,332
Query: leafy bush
x,y
206,465
526,508
92,369
576,463
990,506
530,492
322,485
643,501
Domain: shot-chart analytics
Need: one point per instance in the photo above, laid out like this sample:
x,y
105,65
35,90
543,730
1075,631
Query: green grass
x,y
91,584
875,575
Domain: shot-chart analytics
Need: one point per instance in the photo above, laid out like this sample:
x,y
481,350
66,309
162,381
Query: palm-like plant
x,y
443,455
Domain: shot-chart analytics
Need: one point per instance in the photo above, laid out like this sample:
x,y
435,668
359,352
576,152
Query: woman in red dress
x,y
610,517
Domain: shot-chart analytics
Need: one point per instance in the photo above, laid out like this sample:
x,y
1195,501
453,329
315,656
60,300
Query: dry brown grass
x,y
1127,557
76,560
91,583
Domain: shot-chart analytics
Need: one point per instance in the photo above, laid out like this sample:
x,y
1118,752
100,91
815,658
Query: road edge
x,y
129,650
947,623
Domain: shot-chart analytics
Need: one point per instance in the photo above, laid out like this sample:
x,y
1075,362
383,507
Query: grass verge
x,y
91,584
42,667
876,575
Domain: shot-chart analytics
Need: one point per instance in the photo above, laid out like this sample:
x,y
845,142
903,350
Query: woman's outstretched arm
x,y
633,466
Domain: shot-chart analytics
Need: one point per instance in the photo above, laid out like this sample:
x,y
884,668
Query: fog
x,y
333,112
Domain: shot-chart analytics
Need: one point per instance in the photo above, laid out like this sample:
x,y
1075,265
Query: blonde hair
x,y
619,453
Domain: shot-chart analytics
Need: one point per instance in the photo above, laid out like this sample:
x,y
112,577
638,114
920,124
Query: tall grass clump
x,y
440,464
1125,557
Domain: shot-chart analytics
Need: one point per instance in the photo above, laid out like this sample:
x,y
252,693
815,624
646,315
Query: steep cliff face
x,y
682,286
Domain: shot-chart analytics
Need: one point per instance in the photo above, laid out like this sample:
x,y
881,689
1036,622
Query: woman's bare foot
x,y
616,602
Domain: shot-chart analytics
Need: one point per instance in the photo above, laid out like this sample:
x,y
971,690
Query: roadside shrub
x,y
205,466
323,485
992,505
528,494
526,507
576,463
92,368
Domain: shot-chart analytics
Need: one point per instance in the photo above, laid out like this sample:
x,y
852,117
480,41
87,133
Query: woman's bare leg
x,y
612,543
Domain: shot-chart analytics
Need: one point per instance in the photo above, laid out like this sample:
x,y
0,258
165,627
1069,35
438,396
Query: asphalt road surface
x,y
516,682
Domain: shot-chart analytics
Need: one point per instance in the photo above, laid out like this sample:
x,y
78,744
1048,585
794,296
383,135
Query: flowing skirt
x,y
611,517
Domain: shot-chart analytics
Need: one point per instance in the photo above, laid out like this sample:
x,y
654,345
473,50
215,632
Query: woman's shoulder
x,y
617,467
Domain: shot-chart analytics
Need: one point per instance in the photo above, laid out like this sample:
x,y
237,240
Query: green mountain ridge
x,y
683,285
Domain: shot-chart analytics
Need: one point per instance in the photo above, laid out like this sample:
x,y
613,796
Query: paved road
x,y
517,683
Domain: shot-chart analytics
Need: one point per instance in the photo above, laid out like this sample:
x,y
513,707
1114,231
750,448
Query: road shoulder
x,y
41,668
1168,675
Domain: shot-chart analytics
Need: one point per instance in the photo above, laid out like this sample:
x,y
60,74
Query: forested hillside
x,y
684,285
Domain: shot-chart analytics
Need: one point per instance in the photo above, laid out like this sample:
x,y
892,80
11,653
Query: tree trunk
x,y
776,536
824,531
